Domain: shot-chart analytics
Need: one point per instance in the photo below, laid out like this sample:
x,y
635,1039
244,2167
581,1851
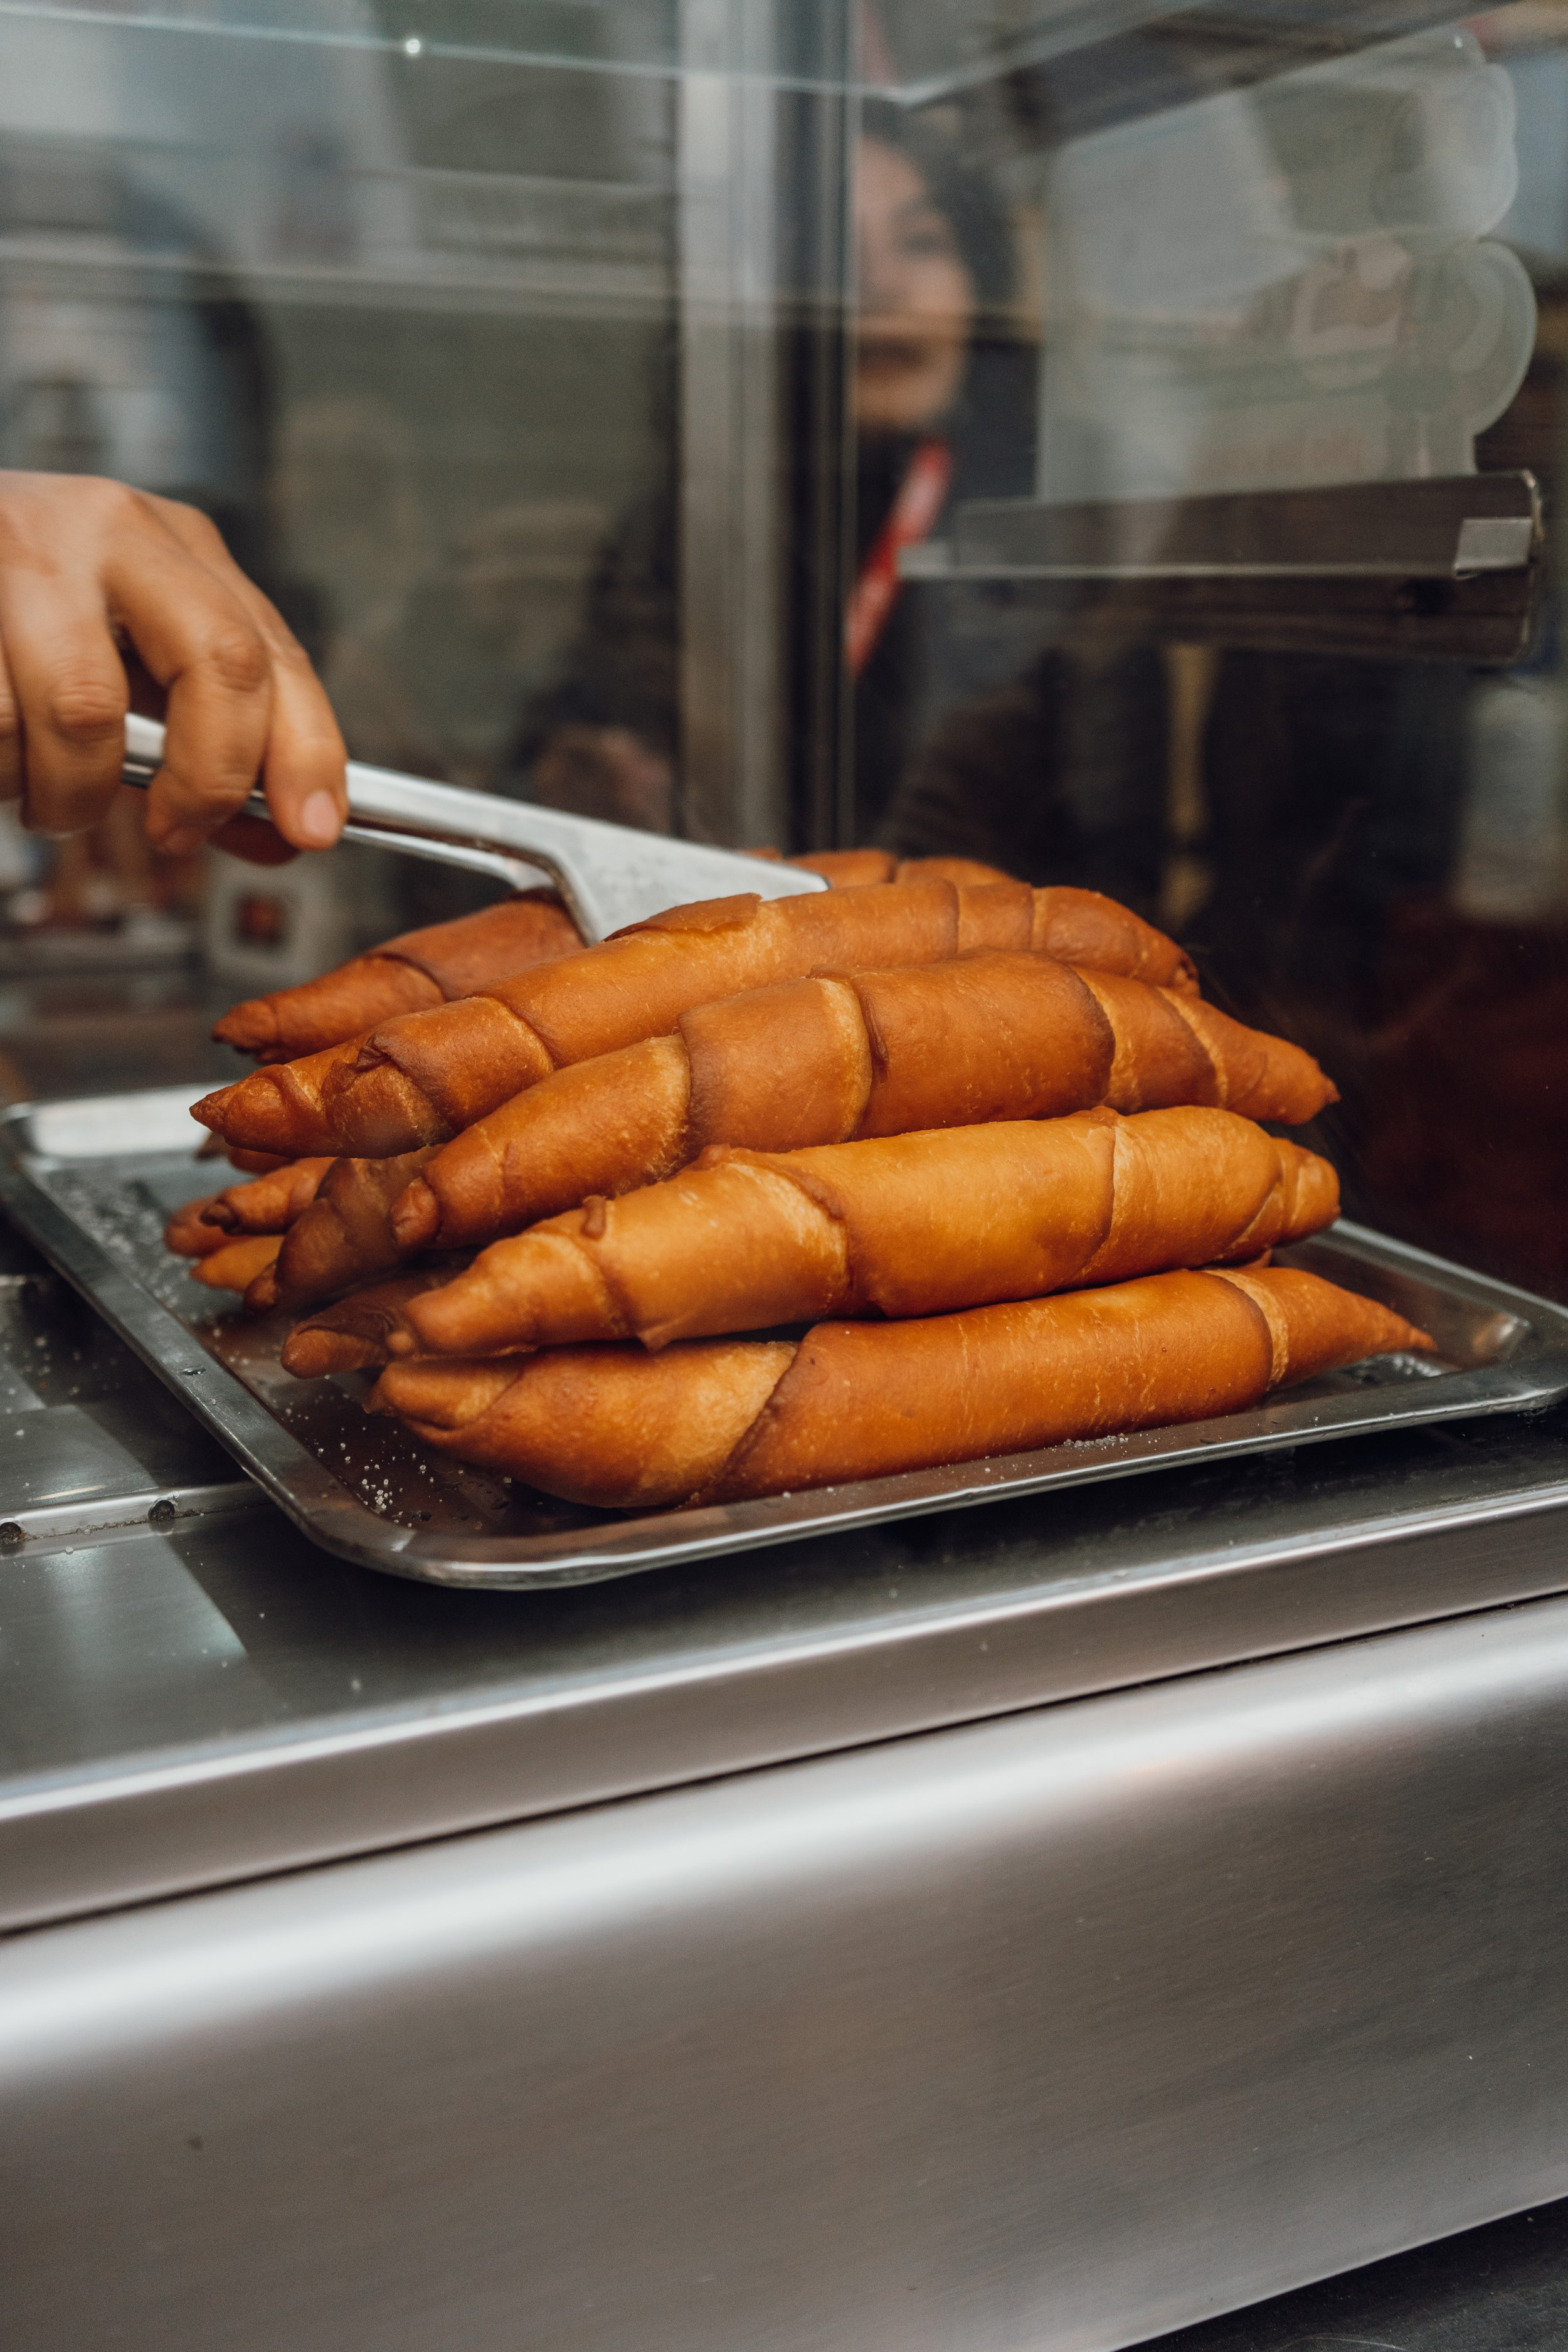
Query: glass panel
x,y
400,314
1238,606
1109,441
639,38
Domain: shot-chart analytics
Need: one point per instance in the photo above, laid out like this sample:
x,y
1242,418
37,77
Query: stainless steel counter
x,y
208,1699
1047,2032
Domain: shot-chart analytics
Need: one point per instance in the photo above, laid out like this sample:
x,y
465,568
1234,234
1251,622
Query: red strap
x,y
911,517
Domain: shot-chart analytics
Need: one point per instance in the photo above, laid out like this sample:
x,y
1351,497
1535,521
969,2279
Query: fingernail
x,y
319,820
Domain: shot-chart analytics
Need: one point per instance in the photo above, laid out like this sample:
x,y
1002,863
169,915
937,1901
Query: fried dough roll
x,y
721,1420
252,1163
269,1204
239,1265
344,1237
188,1234
444,960
346,1337
405,976
909,1225
249,1164
987,1036
425,1076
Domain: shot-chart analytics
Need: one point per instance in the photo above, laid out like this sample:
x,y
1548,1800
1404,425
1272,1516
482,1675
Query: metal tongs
x,y
608,875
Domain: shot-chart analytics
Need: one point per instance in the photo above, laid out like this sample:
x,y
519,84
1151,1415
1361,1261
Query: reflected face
x,y
916,298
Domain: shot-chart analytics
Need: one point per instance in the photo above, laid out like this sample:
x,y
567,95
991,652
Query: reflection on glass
x,y
1288,284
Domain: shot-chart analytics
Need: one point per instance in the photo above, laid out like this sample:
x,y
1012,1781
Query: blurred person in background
x,y
1039,775
936,360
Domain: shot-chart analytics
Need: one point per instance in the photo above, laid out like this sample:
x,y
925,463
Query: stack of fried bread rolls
x,y
977,1160
405,976
421,969
424,1076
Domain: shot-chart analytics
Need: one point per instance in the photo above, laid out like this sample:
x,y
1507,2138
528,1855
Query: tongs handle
x,y
608,875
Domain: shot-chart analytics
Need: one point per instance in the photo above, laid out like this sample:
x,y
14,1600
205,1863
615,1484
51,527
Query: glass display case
x,y
1116,442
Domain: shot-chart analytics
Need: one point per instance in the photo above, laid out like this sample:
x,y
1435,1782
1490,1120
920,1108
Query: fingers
x,y
96,580
306,772
10,736
199,642
69,695
63,687
304,768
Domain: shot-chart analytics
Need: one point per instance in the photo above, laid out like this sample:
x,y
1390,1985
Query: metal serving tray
x,y
92,1182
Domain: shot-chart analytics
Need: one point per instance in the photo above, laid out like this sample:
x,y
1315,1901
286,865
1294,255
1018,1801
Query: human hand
x,y
112,599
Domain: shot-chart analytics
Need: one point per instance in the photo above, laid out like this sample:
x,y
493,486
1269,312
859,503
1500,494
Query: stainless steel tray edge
x,y
317,1501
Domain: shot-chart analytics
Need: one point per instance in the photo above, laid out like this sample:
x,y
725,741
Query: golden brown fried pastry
x,y
419,969
425,1076
722,1420
995,1035
906,1226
